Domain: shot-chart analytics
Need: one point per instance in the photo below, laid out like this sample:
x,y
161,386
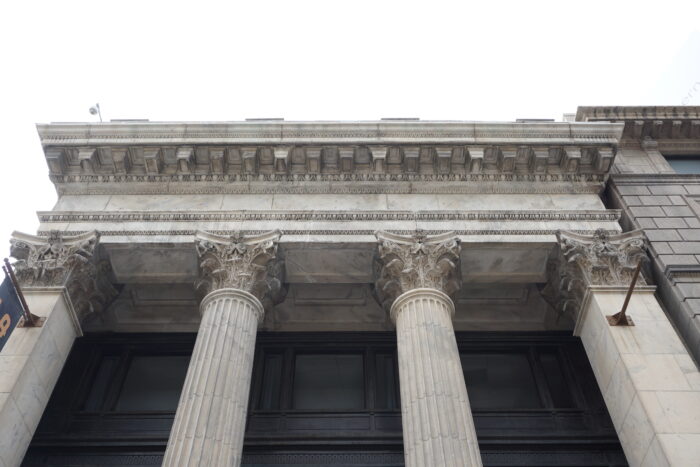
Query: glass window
x,y
153,383
500,381
386,397
101,384
271,383
558,389
685,164
328,382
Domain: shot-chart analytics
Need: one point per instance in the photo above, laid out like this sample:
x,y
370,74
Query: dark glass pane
x,y
328,382
685,164
500,381
386,382
100,384
271,383
153,383
559,390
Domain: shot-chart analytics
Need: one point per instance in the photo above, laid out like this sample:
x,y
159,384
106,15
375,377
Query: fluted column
x,y
240,275
417,274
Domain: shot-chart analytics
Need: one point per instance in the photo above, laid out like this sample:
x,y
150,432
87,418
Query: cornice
x,y
324,232
344,216
332,132
677,128
650,112
318,152
655,179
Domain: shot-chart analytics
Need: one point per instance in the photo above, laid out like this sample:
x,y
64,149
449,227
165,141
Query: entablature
x,y
674,127
318,156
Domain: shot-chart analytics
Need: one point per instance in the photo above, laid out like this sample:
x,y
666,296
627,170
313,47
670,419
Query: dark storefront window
x,y
515,380
320,397
152,383
333,382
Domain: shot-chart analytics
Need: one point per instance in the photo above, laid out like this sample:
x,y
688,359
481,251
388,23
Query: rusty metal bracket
x,y
621,319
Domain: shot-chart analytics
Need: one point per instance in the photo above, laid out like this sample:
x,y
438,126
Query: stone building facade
x,y
369,293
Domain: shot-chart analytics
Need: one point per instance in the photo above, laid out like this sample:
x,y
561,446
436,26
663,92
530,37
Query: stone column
x,y
240,275
649,381
63,281
416,276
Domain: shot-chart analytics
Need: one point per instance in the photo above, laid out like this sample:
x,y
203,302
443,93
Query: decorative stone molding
x,y
249,263
655,122
478,183
652,112
486,215
416,261
341,231
322,134
601,260
61,260
318,157
351,163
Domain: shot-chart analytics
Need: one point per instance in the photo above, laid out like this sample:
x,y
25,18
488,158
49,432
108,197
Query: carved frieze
x,y
601,259
65,261
249,263
416,261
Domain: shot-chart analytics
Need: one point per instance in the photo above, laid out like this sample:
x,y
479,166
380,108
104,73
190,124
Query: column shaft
x,y
211,416
438,428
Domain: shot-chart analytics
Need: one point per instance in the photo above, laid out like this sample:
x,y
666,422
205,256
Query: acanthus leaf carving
x,y
65,261
416,261
601,259
249,263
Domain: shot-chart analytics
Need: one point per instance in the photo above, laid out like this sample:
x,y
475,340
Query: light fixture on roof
x,y
95,110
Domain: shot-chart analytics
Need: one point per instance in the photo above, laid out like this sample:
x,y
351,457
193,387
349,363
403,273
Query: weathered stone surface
x,y
406,263
438,428
210,418
64,261
250,264
597,260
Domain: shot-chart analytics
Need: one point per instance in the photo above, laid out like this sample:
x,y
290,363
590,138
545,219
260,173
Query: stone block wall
x,y
667,208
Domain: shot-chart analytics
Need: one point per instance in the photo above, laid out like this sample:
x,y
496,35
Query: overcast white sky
x,y
307,60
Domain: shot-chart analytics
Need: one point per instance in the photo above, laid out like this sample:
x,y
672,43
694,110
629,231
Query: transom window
x,y
300,378
526,379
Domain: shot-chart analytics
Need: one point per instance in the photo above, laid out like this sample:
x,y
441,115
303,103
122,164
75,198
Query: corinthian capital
x,y
416,261
237,262
600,259
603,259
64,261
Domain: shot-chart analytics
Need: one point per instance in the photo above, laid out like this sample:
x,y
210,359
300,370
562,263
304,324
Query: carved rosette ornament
x,y
64,261
601,259
249,263
409,262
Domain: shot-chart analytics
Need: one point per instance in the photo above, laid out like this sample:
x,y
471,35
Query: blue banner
x,y
10,310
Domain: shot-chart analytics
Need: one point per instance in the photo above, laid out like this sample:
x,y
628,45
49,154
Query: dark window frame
x,y
671,159
584,435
